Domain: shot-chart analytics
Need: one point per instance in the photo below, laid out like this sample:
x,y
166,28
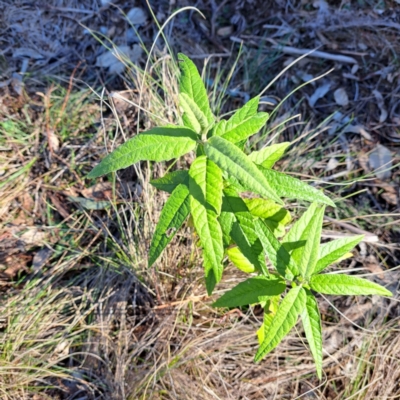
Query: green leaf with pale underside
x,y
331,252
232,160
174,213
311,319
345,284
249,291
170,181
157,144
191,84
268,156
285,319
292,188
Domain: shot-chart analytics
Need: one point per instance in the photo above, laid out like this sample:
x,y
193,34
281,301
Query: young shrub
x,y
246,230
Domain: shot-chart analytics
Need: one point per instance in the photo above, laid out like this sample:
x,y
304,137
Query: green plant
x,y
247,230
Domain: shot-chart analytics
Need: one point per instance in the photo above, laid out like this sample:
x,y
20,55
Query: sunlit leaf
x,y
157,144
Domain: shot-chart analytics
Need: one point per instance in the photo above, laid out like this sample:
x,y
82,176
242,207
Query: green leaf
x,y
333,251
292,188
269,313
252,251
310,252
243,114
276,253
190,83
205,181
285,319
246,128
268,156
170,181
239,260
242,229
248,111
194,115
274,215
232,160
205,186
345,284
249,291
211,280
157,144
312,327
244,123
294,240
174,213
226,220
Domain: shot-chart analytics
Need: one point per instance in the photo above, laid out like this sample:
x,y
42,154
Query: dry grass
x,y
81,315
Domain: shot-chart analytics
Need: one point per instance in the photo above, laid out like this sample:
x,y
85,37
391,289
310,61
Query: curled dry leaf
x,y
54,143
381,105
332,164
380,161
358,129
341,97
319,93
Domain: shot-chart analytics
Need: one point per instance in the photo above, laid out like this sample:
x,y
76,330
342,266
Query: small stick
x,y
369,237
316,53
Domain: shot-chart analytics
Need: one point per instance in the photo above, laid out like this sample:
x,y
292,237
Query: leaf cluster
x,y
249,231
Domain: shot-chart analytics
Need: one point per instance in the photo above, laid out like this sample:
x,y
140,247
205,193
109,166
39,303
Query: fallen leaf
x,y
121,100
99,191
23,52
354,314
15,264
319,93
381,105
390,198
17,83
116,59
40,258
341,97
358,129
33,236
54,143
332,164
57,202
363,160
380,161
371,263
225,31
137,16
90,204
